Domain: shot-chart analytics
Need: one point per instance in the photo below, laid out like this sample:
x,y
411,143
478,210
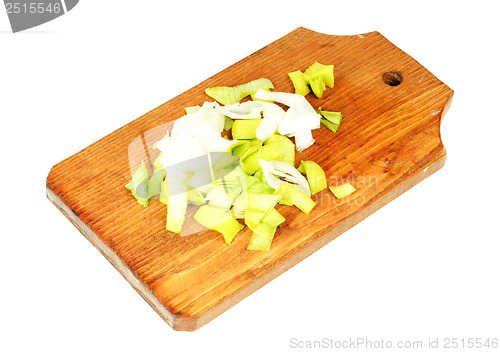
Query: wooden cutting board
x,y
389,141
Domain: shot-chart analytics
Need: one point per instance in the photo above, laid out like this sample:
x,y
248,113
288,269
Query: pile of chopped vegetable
x,y
244,178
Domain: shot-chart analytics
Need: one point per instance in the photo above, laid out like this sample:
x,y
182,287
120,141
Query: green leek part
x,y
260,187
228,123
317,86
154,183
218,220
288,149
262,237
164,193
324,72
317,76
315,175
271,151
139,185
343,191
177,206
195,197
245,129
291,195
231,95
247,147
258,204
250,164
273,218
300,85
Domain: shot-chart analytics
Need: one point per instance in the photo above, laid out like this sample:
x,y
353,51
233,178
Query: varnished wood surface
x,y
389,141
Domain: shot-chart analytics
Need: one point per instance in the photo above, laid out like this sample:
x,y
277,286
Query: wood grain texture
x,y
388,142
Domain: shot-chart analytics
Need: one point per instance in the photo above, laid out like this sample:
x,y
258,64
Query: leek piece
x,y
273,218
177,199
260,187
317,86
251,147
288,149
289,99
272,139
192,109
245,129
299,83
157,164
342,191
330,125
324,72
262,237
331,119
315,175
271,151
238,208
261,201
231,95
177,206
257,205
277,172
332,116
290,195
154,183
228,123
139,185
218,220
195,197
164,193
250,164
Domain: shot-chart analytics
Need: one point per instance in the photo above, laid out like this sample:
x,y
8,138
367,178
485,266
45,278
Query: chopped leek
x,y
299,83
195,197
271,151
342,191
250,164
315,175
245,129
318,76
331,119
257,205
288,149
290,195
273,218
177,206
154,183
139,185
262,237
277,172
218,220
228,123
192,109
231,95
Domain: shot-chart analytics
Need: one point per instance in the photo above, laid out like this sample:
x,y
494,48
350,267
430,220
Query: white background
x,y
425,266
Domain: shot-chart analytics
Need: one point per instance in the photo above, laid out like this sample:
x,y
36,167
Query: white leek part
x,y
273,115
303,139
299,119
242,111
179,148
277,172
177,200
289,99
194,135
192,109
